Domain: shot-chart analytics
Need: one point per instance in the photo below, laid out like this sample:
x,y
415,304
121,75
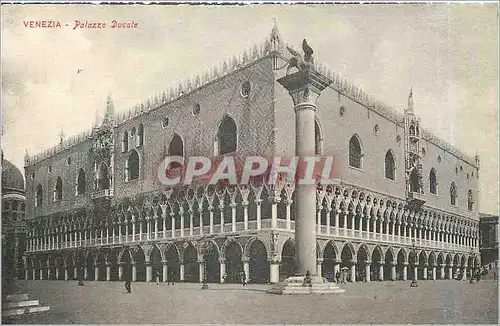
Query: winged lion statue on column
x,y
299,62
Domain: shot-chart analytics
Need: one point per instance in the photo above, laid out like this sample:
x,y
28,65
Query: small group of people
x,y
341,277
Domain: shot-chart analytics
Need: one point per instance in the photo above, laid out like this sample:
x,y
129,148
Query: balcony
x,y
102,193
415,200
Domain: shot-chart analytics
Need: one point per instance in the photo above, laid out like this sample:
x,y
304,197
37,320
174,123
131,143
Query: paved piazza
x,y
442,302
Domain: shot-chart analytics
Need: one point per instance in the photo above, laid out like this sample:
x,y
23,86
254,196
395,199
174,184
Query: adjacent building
x,y
488,232
407,204
13,221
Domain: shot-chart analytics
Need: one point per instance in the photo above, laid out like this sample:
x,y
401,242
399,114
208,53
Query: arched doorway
x,y
412,263
422,263
389,259
449,269
375,268
360,266
212,264
173,267
191,269
258,264
126,265
140,265
90,266
234,265
102,177
156,265
287,266
101,267
113,263
328,265
60,268
347,262
400,265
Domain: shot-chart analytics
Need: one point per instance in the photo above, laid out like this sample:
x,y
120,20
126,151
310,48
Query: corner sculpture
x,y
296,61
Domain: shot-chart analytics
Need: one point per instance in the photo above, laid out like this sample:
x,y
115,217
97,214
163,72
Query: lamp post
x,y
206,246
414,282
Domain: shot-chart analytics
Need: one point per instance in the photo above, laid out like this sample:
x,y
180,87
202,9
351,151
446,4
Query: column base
x,y
295,285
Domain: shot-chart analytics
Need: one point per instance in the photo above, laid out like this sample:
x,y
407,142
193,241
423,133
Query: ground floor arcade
x,y
263,259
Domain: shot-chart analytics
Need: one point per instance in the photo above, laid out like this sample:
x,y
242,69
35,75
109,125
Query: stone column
x,y
134,272
200,216
96,272
233,216
336,215
33,274
245,215
305,87
367,271
288,214
464,273
75,272
201,270
211,221
274,270
120,271
108,272
149,271
393,271
258,202
319,262
57,273
222,263
425,272
246,267
191,222
181,216
181,271
85,273
433,272
336,266
172,216
415,272
405,271
165,271
381,270
442,272
450,272
353,270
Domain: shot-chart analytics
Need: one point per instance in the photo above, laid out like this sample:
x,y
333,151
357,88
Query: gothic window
x,y
139,138
176,148
412,130
102,177
125,142
390,166
39,196
80,182
453,194
432,182
470,201
132,166
414,180
227,136
355,155
58,190
318,139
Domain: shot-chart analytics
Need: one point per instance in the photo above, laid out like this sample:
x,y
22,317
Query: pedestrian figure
x,y
307,279
170,278
80,276
157,276
243,277
128,284
224,278
337,277
478,276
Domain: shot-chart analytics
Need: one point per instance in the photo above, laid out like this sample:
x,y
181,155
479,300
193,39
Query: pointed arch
x,y
248,245
349,246
80,182
318,137
39,196
470,200
58,190
125,142
139,138
355,152
414,184
453,194
132,166
227,136
103,181
364,247
433,182
390,165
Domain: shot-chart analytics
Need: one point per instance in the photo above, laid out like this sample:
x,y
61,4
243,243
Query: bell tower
x,y
413,165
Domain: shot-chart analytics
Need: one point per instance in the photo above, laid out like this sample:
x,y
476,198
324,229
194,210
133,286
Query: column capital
x,y
222,260
304,87
319,260
245,259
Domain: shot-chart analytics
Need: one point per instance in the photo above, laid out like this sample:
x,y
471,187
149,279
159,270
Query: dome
x,y
12,177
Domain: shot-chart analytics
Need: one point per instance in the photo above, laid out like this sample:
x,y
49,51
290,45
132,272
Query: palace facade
x,y
407,204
